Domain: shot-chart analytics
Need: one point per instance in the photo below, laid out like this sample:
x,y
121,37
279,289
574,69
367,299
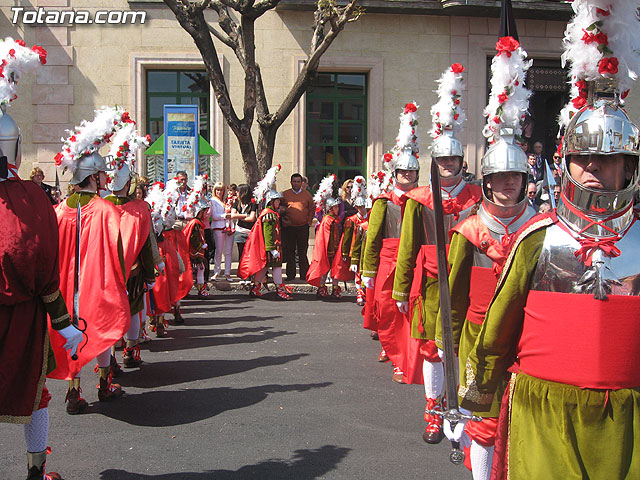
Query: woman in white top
x,y
223,240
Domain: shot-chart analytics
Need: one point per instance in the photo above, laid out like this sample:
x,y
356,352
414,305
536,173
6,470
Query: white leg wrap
x,y
134,328
277,275
200,274
36,432
433,374
104,359
481,458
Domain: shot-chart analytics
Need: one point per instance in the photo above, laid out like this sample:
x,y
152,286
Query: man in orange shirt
x,y
296,223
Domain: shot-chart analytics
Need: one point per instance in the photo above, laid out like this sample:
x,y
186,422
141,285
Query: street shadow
x,y
181,340
191,307
170,408
305,464
162,374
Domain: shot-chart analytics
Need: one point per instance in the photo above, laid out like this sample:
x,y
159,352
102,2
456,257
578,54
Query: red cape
x,y
135,227
165,290
103,295
254,255
28,270
188,230
320,262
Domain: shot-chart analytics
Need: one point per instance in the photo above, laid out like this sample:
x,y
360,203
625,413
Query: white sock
x,y
200,274
104,359
481,458
433,374
134,328
277,275
36,432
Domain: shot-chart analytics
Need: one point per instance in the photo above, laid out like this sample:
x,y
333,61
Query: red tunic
x,y
254,255
29,270
320,263
103,296
188,231
135,226
165,290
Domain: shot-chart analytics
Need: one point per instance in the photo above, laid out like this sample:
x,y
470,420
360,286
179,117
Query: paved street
x,y
247,389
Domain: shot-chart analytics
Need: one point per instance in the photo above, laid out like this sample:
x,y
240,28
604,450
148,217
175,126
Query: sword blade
x,y
76,272
451,382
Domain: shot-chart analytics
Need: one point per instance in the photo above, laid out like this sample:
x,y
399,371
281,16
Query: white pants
x,y
224,243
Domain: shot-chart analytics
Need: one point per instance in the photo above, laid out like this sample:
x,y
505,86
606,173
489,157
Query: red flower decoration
x,y
388,157
503,97
42,53
578,103
21,43
279,167
608,65
624,94
456,101
148,138
12,53
58,159
602,13
496,119
455,117
410,108
506,45
457,68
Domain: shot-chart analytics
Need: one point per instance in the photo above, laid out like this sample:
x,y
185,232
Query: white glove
x,y
275,254
458,434
73,336
354,267
403,307
160,267
368,282
150,285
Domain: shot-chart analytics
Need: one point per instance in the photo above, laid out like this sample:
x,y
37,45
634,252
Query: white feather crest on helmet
x,y
447,114
509,99
359,191
379,183
155,199
196,198
601,42
90,136
405,152
325,191
122,151
16,59
171,196
267,184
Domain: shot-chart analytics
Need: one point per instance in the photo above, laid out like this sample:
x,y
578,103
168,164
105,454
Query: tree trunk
x,y
266,147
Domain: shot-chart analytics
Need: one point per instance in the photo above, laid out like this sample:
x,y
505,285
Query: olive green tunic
x,y
373,244
555,430
271,232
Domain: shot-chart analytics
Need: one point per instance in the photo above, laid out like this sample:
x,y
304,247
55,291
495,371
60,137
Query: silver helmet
x,y
504,156
333,202
360,202
200,205
120,178
273,195
446,145
407,160
10,138
88,165
601,128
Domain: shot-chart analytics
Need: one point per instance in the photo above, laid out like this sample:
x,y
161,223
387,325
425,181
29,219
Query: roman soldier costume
x,y
415,286
563,318
198,206
480,243
379,263
264,245
135,231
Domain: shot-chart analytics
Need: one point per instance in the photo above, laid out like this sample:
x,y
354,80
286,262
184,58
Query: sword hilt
x,y
453,415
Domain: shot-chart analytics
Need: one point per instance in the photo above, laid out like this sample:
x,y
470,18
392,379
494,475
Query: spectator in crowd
x,y
244,211
305,183
536,174
208,234
525,146
540,160
183,190
37,177
346,207
295,227
531,195
556,167
556,192
467,176
223,240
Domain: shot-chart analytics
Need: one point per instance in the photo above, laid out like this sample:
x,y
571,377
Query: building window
x,y
176,87
336,124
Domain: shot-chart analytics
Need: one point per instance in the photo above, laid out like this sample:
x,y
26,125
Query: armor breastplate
x,y
559,270
429,219
392,221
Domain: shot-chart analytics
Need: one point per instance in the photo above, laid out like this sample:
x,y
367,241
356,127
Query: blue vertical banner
x,y
181,140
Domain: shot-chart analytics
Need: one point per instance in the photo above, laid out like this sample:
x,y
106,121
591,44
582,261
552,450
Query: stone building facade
x,y
399,48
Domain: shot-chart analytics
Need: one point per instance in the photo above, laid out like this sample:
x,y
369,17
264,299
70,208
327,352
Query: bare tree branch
x,y
224,39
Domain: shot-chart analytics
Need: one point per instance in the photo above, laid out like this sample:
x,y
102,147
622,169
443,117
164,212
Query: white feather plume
x,y
379,183
601,41
267,184
196,193
509,99
16,60
171,195
124,146
447,113
155,199
407,139
325,190
359,188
